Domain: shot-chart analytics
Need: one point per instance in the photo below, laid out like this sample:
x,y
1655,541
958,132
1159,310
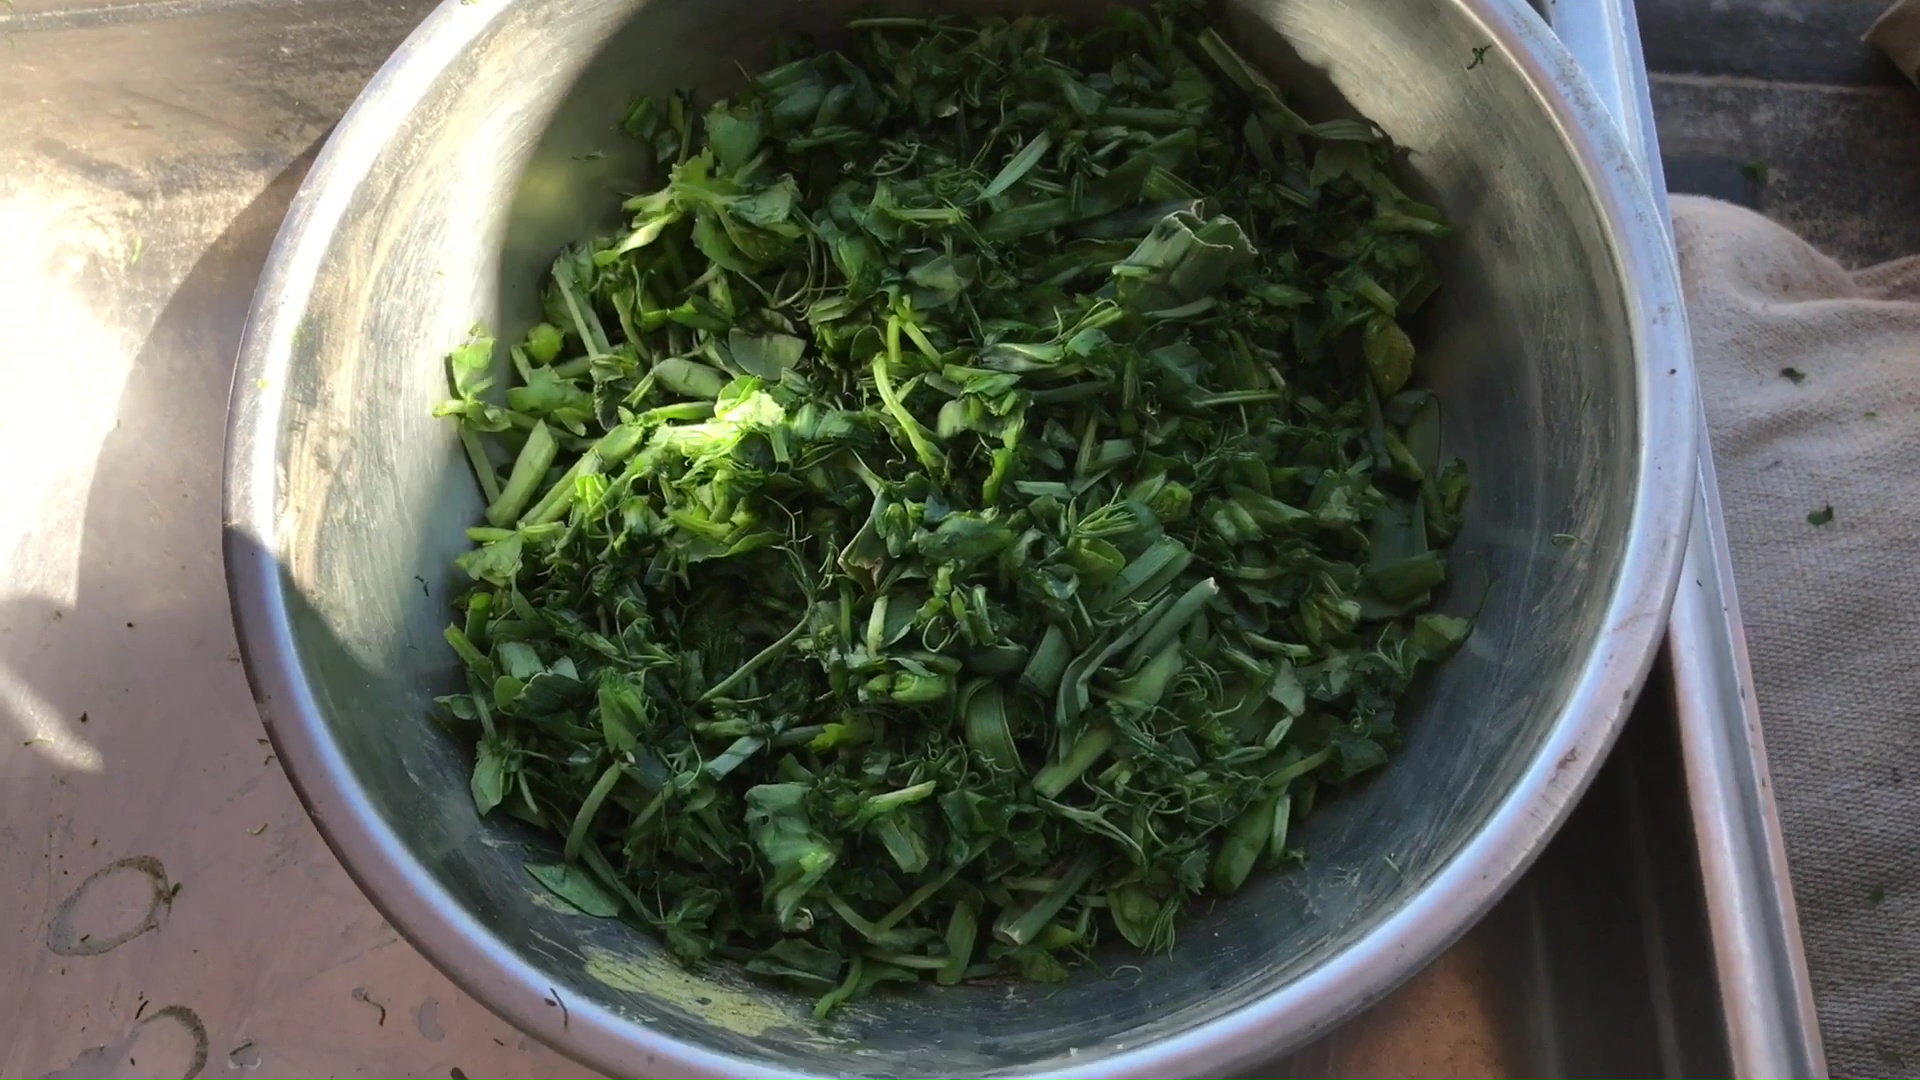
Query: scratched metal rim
x,y
1615,666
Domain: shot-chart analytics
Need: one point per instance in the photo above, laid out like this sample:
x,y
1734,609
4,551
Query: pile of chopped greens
x,y
976,508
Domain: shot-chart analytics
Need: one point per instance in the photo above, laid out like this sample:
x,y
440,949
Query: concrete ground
x,y
1777,105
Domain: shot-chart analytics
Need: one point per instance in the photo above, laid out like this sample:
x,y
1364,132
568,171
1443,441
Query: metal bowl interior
x,y
1557,347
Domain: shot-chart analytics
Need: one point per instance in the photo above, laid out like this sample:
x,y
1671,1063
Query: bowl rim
x,y
1464,888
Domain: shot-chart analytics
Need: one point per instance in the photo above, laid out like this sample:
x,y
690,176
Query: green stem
x,y
983,710
1280,779
480,706
917,435
581,311
529,469
1173,622
906,796
832,999
760,659
482,466
1234,397
903,842
926,892
597,863
911,961
1048,662
558,500
854,920
1246,840
799,736
1143,690
1020,929
574,368
1056,778
589,809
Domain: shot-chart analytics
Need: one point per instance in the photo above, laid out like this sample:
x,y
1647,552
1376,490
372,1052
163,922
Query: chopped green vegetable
x,y
976,508
1821,516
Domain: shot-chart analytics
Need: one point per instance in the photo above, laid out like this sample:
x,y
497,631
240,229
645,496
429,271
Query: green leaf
x,y
490,775
965,536
799,964
469,365
548,395
716,242
1358,755
1436,635
764,356
777,821
1018,166
496,562
735,135
1406,578
1389,354
576,887
1182,261
650,223
624,712
1134,912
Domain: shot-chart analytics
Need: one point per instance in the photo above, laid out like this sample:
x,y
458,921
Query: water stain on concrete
x,y
170,1044
427,1019
114,905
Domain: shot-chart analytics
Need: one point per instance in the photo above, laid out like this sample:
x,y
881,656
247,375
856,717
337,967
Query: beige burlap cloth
x,y
1811,376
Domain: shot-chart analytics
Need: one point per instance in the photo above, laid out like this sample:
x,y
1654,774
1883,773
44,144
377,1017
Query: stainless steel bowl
x,y
1559,351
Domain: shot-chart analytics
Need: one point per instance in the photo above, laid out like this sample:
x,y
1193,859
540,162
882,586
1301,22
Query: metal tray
x,y
147,152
